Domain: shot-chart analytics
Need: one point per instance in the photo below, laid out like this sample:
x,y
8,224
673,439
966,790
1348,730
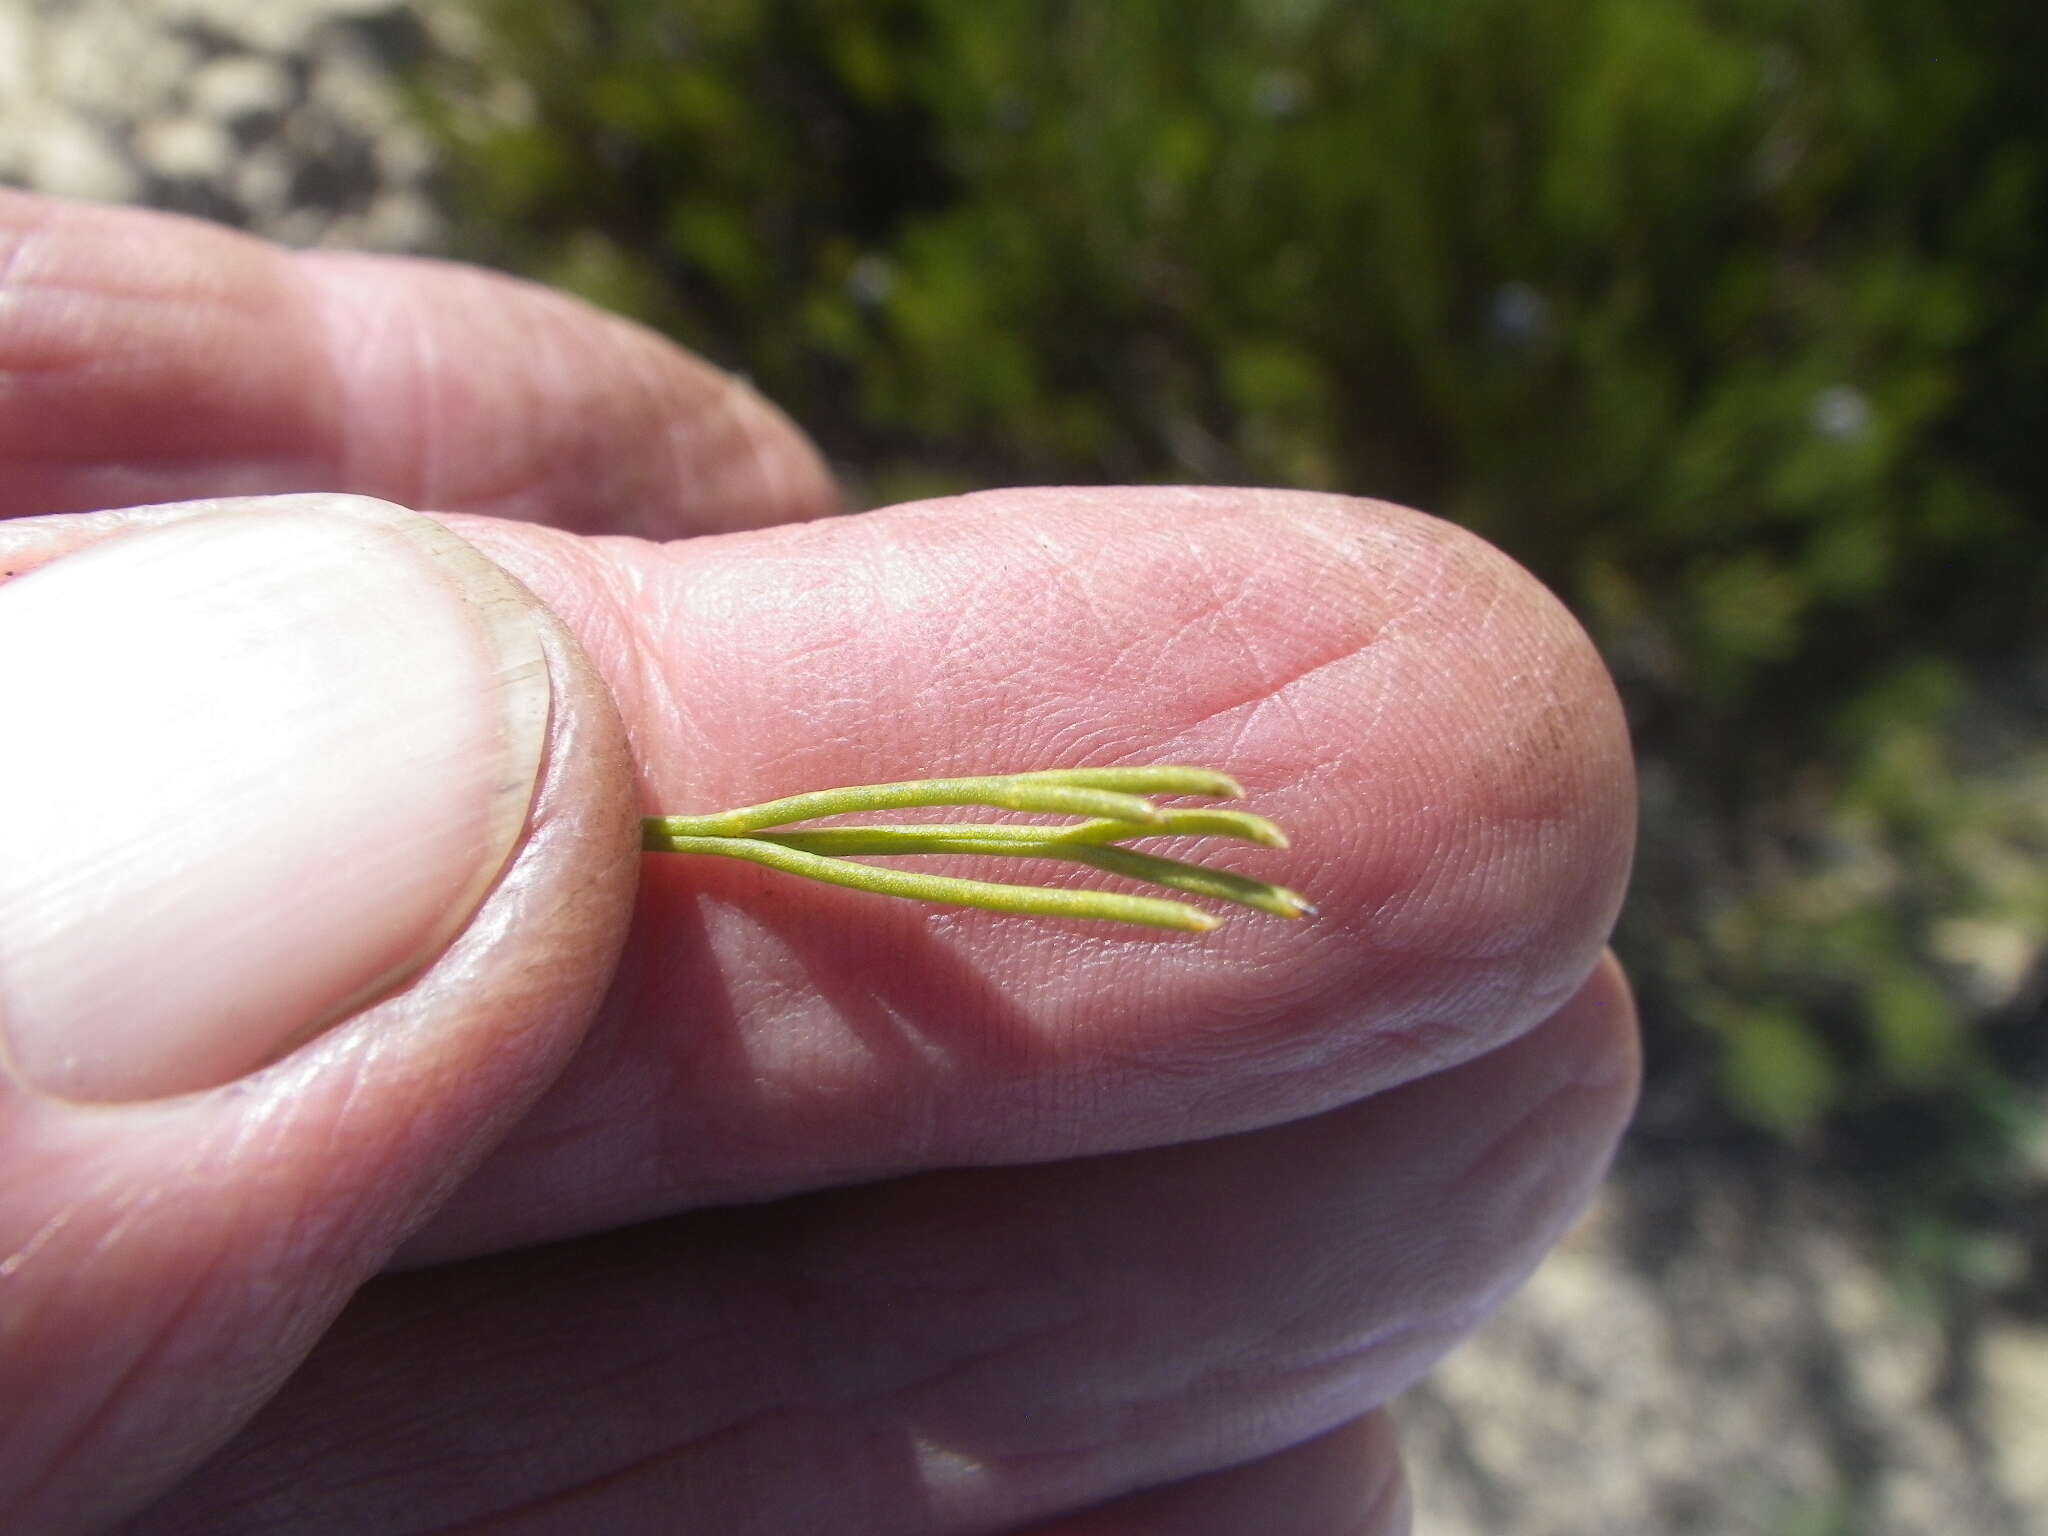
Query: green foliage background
x,y
1727,317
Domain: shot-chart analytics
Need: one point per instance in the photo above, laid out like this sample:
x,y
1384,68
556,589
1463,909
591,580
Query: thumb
x,y
316,843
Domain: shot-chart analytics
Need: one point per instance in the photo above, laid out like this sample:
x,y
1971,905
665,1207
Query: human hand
x,y
728,1203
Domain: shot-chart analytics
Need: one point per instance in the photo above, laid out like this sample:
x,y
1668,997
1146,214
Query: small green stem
x,y
1195,879
1111,799
1013,793
989,895
911,839
845,842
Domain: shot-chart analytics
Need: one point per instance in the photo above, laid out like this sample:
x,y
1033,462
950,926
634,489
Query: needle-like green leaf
x,y
1112,800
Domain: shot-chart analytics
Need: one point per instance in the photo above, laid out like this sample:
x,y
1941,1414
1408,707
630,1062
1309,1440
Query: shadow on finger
x,y
958,1352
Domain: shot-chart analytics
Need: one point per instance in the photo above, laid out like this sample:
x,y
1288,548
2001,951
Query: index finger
x,y
1428,723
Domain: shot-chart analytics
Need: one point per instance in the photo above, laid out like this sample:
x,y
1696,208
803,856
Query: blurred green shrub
x,y
1725,316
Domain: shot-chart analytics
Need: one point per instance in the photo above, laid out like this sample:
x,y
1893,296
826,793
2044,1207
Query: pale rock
x,y
242,92
65,154
184,148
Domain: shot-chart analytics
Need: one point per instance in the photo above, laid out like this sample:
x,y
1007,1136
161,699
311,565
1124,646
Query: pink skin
x,y
1046,1227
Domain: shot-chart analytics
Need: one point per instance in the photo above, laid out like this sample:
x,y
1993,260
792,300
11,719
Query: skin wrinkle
x,y
521,1514
1072,573
840,734
95,1412
420,381
961,624
87,348
985,1355
65,355
394,349
1334,1479
357,336
1522,1155
773,479
310,1224
48,348
1225,1378
1435,1032
1162,1395
1363,1354
1150,1414
1271,691
106,286
568,355
1100,604
1459,1028
960,596
954,1333
1226,607
1059,1473
1274,693
770,1410
697,1439
111,1403
808,627
392,1428
1324,1401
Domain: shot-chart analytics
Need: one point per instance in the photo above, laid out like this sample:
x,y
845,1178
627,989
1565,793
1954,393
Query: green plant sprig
x,y
1113,801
